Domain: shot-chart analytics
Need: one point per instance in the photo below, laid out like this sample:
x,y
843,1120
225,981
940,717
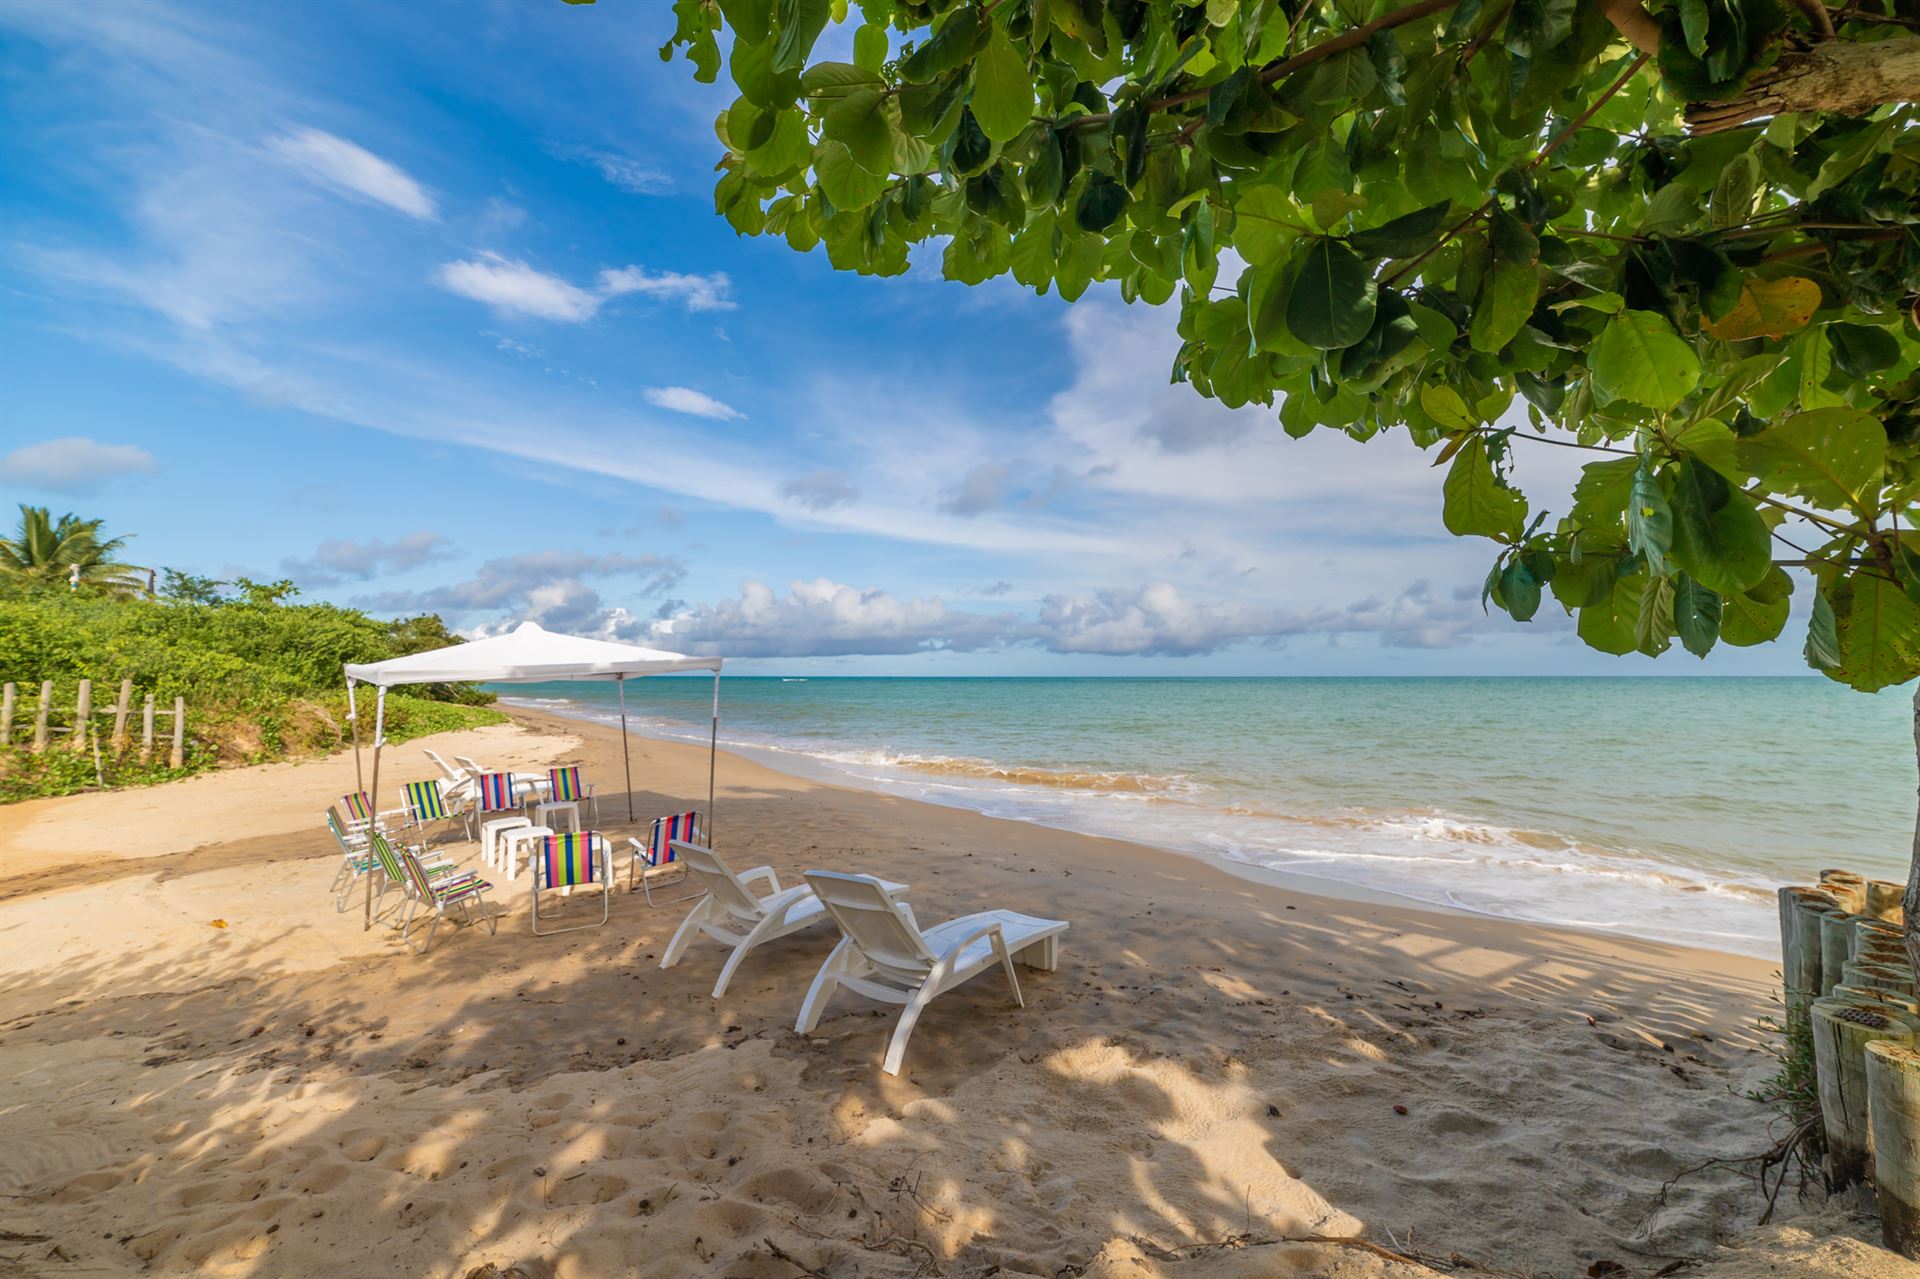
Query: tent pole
x,y
713,749
353,718
626,759
373,797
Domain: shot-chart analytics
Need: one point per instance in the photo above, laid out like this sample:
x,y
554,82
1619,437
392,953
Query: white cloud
x,y
684,399
346,167
824,618
341,559
695,292
74,464
549,587
507,284
979,490
820,490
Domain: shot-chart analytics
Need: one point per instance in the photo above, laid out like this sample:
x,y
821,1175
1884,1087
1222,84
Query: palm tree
x,y
68,551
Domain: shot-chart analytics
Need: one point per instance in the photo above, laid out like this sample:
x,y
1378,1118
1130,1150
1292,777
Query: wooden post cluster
x,y
83,735
1851,998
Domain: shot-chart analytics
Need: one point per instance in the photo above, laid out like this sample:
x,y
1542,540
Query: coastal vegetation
x,y
259,670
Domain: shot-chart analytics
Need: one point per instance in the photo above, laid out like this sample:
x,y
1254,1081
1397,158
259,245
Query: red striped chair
x,y
656,859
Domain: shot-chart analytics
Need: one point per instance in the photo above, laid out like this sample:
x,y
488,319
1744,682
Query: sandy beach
x,y
205,1069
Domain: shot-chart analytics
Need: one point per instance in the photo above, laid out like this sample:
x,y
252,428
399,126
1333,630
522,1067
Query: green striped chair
x,y
393,868
431,888
426,802
573,859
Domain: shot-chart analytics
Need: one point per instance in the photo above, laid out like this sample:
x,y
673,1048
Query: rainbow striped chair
x,y
565,785
573,859
656,859
358,858
426,802
357,809
395,875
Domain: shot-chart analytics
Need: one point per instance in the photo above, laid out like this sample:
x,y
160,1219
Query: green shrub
x,y
261,677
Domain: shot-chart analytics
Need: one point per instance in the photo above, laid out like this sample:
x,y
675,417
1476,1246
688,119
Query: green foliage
x,y
1484,225
261,676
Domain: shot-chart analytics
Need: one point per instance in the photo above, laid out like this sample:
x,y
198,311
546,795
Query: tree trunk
x,y
1910,902
1835,77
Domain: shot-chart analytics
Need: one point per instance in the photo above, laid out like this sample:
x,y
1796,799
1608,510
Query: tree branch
x,y
1635,23
1836,77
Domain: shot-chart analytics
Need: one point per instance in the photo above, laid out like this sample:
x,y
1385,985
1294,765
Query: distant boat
x,y
788,679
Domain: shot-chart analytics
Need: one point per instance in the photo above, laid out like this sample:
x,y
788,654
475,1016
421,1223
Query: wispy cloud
x,y
340,559
684,399
821,490
353,169
74,464
825,618
628,174
509,285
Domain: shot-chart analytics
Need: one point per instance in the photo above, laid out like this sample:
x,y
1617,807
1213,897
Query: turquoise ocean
x,y
1660,808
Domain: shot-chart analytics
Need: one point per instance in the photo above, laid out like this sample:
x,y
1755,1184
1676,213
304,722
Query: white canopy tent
x,y
528,654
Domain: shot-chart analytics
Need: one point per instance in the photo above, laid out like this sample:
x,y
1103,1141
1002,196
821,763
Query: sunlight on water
x,y
1665,808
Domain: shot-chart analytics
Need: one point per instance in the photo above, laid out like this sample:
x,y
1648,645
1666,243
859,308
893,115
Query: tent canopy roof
x,y
527,654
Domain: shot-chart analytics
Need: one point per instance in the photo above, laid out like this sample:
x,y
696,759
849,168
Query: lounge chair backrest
x,y
389,860
719,880
880,926
338,826
681,828
417,873
453,774
425,801
568,859
357,806
497,792
566,783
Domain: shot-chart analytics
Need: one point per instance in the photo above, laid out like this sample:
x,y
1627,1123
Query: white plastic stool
x,y
553,808
518,842
490,832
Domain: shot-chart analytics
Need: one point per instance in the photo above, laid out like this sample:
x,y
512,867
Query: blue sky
x,y
426,307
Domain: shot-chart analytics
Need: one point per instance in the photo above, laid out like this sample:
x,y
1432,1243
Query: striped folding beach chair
x,y
357,810
656,859
427,891
356,859
574,859
426,802
565,787
393,870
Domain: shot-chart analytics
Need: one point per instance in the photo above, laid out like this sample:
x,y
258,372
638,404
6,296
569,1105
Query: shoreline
x,y
1215,1057
800,765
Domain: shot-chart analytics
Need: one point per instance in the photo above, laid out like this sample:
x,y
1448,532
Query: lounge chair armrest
x,y
762,872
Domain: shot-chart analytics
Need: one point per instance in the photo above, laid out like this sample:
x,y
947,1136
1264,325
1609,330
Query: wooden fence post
x,y
82,717
179,756
6,715
146,730
120,709
40,719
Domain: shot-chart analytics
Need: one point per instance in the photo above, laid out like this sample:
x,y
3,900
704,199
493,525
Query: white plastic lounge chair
x,y
885,954
458,782
573,860
739,916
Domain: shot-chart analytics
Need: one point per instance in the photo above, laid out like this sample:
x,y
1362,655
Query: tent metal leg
x,y
713,749
626,757
373,797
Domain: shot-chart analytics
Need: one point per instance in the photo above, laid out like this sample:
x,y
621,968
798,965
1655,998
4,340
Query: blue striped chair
x,y
656,859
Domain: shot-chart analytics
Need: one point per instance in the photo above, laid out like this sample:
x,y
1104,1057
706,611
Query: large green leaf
x,y
1612,622
1879,634
859,122
1002,89
846,182
1333,298
1696,615
1718,535
1509,288
1475,503
1834,457
1758,615
801,22
1649,518
1639,358
1653,625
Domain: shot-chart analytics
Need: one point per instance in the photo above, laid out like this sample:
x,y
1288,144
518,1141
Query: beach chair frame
x,y
551,865
736,912
655,859
884,954
465,889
